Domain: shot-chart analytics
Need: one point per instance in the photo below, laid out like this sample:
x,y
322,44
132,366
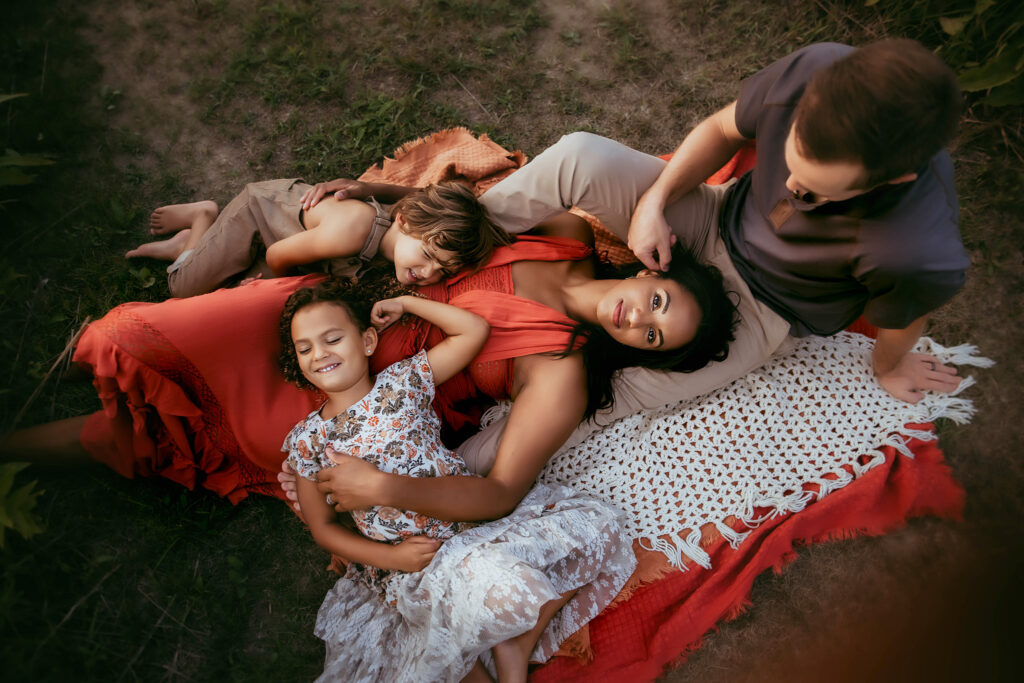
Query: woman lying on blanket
x,y
190,391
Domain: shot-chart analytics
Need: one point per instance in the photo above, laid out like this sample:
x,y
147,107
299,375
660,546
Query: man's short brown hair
x,y
448,216
889,106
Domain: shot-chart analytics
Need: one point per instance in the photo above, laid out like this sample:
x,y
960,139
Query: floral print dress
x,y
485,585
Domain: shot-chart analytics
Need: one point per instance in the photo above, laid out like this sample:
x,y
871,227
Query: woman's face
x,y
649,312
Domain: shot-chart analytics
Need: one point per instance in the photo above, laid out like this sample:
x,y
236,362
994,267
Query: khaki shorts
x,y
234,245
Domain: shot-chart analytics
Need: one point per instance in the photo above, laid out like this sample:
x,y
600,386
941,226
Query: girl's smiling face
x,y
649,312
332,352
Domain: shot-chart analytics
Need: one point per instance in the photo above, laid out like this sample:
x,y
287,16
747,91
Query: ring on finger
x,y
330,499
933,365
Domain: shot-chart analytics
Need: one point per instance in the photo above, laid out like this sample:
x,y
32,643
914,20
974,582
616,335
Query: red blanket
x,y
665,620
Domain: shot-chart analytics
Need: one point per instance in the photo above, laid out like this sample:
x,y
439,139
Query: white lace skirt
x,y
484,586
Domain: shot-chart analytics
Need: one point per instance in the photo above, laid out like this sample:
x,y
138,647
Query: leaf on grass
x,y
143,277
7,472
953,25
12,158
1001,69
1008,95
14,176
17,508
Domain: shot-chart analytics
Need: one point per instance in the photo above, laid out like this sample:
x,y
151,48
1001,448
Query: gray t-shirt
x,y
893,254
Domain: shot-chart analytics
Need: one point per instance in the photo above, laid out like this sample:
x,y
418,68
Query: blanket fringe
x,y
860,418
674,547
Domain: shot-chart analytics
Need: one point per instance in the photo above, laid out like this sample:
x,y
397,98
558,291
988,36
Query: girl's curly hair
x,y
357,298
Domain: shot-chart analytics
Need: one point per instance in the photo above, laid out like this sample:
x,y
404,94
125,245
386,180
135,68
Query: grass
x,y
150,103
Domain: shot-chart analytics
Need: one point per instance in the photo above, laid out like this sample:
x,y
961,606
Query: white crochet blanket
x,y
753,444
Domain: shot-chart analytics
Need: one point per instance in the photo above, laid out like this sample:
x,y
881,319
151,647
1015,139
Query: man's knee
x,y
586,148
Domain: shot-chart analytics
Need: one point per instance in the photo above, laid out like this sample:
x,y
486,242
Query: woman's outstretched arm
x,y
549,403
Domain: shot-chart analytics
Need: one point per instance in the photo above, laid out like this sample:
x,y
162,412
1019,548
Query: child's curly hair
x,y
356,298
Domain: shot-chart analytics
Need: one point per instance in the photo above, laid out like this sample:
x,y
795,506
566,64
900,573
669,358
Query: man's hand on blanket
x,y
351,483
650,236
343,188
917,373
415,553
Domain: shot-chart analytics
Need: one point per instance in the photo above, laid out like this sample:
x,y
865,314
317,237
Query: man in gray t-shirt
x,y
850,208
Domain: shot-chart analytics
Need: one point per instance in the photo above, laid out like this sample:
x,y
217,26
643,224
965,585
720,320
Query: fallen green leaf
x,y
953,25
1008,95
14,176
12,158
17,509
1001,69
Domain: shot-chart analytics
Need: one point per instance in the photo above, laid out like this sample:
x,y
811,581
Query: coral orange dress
x,y
191,390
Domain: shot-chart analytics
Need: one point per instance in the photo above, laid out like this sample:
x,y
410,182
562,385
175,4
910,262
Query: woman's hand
x,y
343,188
387,311
414,553
351,483
287,478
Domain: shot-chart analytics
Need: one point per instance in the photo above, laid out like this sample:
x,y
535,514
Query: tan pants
x,y
606,179
262,214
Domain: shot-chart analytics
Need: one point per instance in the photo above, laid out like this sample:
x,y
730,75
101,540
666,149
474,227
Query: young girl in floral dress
x,y
423,598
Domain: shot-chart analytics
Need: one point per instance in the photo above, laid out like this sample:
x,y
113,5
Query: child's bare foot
x,y
511,658
165,250
174,217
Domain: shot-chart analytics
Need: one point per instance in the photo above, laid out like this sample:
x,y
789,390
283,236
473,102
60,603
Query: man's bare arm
x,y
705,150
346,188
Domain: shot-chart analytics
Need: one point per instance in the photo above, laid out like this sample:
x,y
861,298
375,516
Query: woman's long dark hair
x,y
604,358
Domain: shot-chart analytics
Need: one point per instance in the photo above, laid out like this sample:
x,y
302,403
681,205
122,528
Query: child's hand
x,y
343,188
415,553
386,311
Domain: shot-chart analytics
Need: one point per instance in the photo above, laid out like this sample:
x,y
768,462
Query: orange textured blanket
x,y
452,154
